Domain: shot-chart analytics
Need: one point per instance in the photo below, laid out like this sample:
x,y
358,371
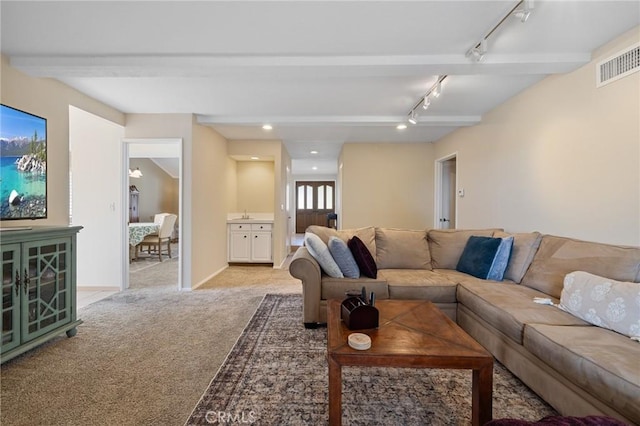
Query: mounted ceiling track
x,y
522,11
425,100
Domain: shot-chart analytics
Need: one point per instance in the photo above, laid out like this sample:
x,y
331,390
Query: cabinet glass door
x,y
10,320
46,289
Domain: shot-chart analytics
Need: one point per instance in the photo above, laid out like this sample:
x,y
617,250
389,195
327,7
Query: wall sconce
x,y
135,173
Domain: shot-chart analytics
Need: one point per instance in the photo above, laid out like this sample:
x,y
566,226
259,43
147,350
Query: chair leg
x,y
169,247
160,250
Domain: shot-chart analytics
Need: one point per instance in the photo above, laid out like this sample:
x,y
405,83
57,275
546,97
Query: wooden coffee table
x,y
415,334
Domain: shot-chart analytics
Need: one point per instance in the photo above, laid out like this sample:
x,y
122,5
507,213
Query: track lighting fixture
x,y
425,101
523,14
522,10
478,51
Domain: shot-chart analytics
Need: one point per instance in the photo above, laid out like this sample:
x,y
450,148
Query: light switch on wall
x,y
461,192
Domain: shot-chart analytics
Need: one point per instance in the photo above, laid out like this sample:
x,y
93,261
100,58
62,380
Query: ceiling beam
x,y
355,65
427,120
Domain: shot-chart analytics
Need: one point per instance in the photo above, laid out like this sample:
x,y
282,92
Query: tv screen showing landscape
x,y
23,165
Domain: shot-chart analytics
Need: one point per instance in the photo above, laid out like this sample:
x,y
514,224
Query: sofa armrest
x,y
304,267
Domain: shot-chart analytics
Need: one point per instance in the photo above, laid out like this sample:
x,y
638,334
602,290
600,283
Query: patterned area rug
x,y
277,374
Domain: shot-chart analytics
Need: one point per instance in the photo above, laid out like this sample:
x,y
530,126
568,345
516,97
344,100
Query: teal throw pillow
x,y
320,252
343,257
485,257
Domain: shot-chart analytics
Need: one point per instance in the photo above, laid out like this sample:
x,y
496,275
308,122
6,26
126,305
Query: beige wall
x,y
232,185
159,192
51,99
209,237
386,184
562,157
255,186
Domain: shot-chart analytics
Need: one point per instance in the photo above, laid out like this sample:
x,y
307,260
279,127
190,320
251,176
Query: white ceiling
x,y
322,73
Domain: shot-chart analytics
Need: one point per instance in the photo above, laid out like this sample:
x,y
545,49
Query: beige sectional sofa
x,y
578,368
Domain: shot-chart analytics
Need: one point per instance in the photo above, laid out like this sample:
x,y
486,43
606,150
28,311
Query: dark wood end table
x,y
411,334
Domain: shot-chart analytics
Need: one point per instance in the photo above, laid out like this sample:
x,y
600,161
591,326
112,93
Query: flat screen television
x,y
23,165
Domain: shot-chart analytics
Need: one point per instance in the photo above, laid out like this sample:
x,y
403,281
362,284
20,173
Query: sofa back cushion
x,y
525,246
558,256
446,245
367,235
402,249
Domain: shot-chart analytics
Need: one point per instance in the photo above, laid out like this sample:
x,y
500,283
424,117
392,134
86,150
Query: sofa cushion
x,y
603,302
525,246
363,257
367,235
402,249
485,257
446,245
419,284
602,362
508,307
320,252
336,288
343,257
558,256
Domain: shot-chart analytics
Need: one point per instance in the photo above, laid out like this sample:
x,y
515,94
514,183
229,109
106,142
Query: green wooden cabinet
x,y
38,287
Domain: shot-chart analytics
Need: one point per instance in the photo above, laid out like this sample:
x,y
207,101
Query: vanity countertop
x,y
249,217
250,220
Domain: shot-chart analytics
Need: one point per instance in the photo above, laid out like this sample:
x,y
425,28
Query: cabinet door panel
x,y
261,247
239,247
46,302
10,320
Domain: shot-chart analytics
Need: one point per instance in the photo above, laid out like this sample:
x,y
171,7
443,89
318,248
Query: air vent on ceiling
x,y
620,65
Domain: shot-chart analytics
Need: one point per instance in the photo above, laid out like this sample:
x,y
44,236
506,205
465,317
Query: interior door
x,y
447,193
314,201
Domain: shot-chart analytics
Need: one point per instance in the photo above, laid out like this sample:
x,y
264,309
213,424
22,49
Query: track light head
x,y
412,118
426,102
524,13
478,51
437,90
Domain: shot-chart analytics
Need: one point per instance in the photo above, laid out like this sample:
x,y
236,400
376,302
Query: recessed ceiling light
x,y
314,152
314,168
267,127
401,126
255,158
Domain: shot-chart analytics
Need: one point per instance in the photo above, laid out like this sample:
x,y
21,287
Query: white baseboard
x,y
96,288
206,279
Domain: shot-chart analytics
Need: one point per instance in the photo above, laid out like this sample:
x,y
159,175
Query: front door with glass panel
x,y
314,201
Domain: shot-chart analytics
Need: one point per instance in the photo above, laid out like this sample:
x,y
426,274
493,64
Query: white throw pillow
x,y
320,252
603,302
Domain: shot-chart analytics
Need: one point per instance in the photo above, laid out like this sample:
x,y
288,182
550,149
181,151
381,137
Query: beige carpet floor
x,y
143,356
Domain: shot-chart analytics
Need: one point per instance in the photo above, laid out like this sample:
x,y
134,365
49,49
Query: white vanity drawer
x,y
261,226
240,227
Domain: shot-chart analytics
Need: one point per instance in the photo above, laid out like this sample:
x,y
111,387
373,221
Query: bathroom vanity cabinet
x,y
249,241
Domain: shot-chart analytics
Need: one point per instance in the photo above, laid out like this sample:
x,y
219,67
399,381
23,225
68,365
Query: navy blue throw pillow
x,y
478,256
363,258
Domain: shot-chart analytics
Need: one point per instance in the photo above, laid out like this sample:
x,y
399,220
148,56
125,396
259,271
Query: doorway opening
x,y
446,207
159,190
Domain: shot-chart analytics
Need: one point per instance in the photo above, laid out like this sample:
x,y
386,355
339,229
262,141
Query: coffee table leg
x,y
335,393
482,396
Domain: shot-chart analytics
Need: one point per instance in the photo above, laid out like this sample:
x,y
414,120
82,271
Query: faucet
x,y
245,215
